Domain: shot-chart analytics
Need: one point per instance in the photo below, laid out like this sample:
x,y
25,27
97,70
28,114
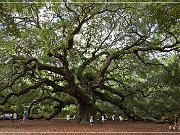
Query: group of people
x,y
91,121
14,116
176,121
103,119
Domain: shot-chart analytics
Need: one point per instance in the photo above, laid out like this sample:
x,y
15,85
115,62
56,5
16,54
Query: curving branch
x,y
119,103
26,90
81,22
120,53
150,63
58,56
71,10
57,108
101,74
114,91
40,66
35,16
104,40
56,87
13,81
88,62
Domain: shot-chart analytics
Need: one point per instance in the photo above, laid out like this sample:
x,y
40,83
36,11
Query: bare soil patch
x,y
59,126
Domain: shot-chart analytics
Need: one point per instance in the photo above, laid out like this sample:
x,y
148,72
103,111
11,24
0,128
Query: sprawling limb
x,y
56,109
24,91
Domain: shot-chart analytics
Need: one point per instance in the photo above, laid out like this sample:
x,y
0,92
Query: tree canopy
x,y
85,54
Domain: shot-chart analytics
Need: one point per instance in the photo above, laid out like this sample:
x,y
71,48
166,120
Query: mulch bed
x,y
61,126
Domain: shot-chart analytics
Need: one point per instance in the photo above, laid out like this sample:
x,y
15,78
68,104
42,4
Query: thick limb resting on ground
x,y
56,109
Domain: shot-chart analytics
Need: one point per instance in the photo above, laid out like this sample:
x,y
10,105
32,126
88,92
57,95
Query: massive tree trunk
x,y
86,105
85,111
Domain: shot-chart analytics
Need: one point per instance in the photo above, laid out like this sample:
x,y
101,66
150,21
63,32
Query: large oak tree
x,y
78,53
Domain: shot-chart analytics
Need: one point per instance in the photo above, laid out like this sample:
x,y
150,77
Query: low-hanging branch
x,y
24,91
13,81
112,90
119,103
57,108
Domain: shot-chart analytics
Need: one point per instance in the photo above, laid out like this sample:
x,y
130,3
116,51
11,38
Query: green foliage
x,y
115,46
108,108
166,15
68,110
41,110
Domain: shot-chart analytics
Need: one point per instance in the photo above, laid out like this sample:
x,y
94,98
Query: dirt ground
x,y
59,126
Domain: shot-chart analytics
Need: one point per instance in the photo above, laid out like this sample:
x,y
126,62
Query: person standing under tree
x,y
176,122
15,116
91,120
102,118
113,117
25,114
68,118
